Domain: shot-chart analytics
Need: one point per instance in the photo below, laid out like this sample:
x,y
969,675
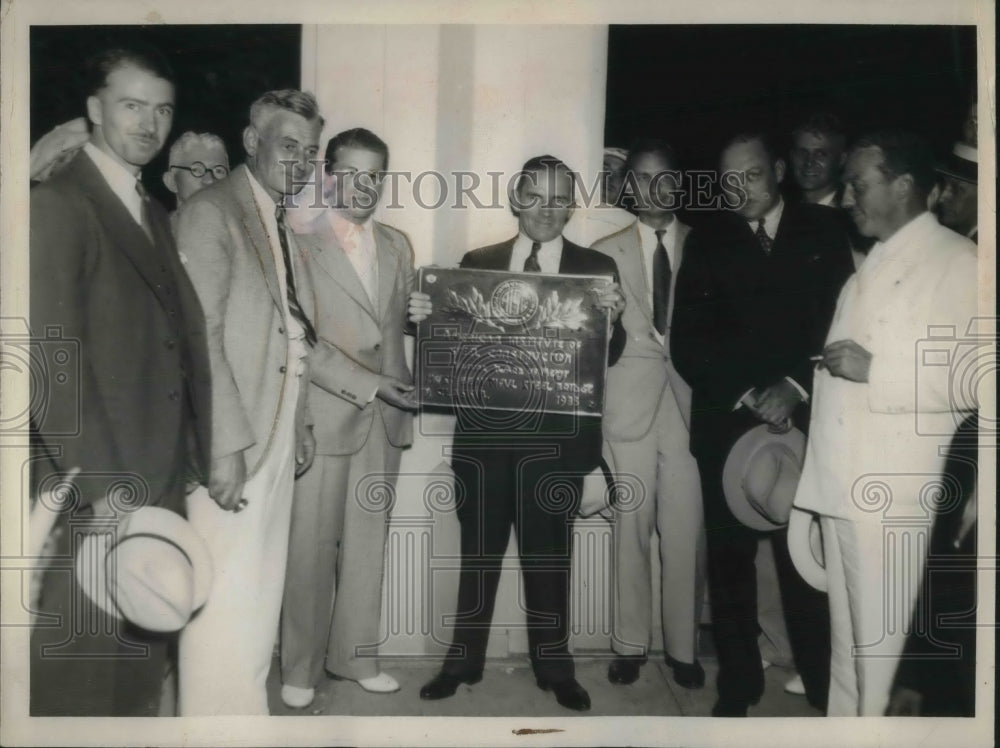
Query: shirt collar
x,y
903,237
120,179
264,200
648,234
346,229
771,219
553,245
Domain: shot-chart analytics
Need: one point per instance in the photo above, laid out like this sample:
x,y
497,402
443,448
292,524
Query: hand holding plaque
x,y
513,341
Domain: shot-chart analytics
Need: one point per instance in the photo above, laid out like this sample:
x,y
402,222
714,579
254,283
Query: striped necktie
x,y
293,300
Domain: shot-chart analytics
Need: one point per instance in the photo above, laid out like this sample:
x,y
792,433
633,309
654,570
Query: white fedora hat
x,y
761,474
156,571
805,546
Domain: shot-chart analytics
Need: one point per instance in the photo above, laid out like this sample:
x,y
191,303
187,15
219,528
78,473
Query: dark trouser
x,y
535,491
732,549
86,663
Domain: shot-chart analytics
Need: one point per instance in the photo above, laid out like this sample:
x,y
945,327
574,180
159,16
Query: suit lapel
x,y
121,226
253,223
386,268
332,260
632,269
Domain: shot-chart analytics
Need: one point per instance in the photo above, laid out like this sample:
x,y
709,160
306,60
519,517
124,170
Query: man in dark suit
x,y
105,275
502,465
754,300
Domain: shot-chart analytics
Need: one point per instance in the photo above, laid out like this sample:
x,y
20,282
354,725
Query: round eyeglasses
x,y
198,170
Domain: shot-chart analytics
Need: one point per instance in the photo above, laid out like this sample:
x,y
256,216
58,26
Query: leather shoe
x,y
687,674
569,693
443,685
726,708
624,670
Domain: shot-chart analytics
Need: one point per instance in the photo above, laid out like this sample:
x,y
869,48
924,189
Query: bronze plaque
x,y
528,342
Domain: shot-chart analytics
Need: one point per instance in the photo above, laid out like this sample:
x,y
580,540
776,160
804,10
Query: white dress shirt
x,y
121,181
647,239
358,243
266,208
549,255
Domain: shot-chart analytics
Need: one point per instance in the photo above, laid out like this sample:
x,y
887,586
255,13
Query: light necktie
x,y
531,264
147,225
661,283
293,300
766,242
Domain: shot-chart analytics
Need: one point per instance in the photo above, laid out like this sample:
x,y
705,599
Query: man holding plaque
x,y
646,425
511,468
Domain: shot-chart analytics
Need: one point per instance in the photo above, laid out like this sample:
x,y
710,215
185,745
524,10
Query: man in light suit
x,y
503,465
646,417
884,409
360,397
246,268
106,278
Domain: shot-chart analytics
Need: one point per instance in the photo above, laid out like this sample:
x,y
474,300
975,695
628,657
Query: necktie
x,y
661,283
293,300
765,241
531,264
146,224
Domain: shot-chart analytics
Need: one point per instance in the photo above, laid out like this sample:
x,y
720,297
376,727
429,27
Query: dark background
x,y
698,85
220,71
694,85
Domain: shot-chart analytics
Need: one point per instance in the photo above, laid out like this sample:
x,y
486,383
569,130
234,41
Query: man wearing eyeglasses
x,y
197,160
361,398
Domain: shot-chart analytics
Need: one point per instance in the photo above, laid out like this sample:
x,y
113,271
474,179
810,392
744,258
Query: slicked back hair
x,y
356,137
292,100
142,56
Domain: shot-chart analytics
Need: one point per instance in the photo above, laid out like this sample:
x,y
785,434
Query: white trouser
x,y
226,650
873,571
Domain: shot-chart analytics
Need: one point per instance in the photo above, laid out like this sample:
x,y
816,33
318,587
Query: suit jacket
x,y
358,343
637,381
138,393
744,318
228,257
580,437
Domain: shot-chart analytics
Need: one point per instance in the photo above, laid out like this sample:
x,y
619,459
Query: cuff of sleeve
x,y
374,392
802,392
739,402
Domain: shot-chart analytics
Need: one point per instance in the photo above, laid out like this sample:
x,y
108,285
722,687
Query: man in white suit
x,y
360,399
882,410
646,417
244,264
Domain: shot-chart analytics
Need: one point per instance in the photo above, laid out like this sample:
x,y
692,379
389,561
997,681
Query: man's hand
x,y
396,393
610,297
56,147
776,404
225,483
419,307
904,702
305,449
847,359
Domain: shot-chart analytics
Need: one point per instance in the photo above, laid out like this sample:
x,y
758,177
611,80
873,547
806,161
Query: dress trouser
x,y
336,558
85,662
225,651
535,490
732,583
663,491
873,574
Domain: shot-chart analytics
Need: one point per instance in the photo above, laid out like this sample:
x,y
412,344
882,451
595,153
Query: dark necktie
x,y
146,224
661,283
765,241
293,300
531,264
